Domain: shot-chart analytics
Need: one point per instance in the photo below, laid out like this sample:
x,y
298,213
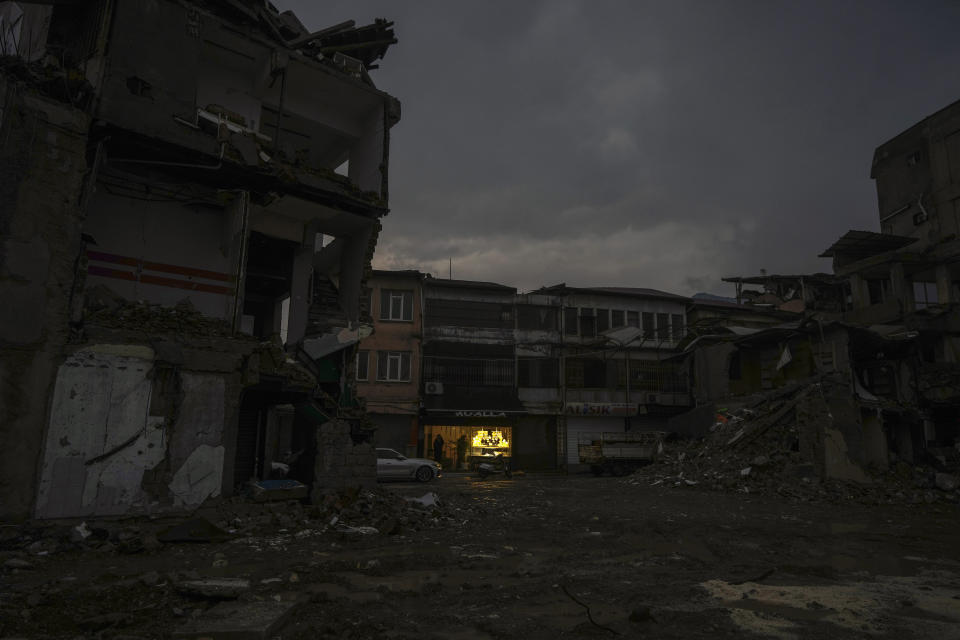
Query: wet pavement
x,y
534,557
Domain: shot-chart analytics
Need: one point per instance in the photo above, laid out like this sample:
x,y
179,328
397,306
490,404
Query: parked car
x,y
393,465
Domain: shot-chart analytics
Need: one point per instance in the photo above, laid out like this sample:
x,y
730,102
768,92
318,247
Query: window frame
x,y
387,298
364,356
384,364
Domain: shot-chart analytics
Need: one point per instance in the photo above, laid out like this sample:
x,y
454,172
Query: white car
x,y
393,465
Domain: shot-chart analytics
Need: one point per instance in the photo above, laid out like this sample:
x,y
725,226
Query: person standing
x,y
438,447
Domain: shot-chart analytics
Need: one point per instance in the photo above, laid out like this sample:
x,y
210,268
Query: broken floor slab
x,y
239,621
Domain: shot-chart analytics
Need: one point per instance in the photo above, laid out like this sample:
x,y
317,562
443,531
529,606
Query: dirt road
x,y
534,557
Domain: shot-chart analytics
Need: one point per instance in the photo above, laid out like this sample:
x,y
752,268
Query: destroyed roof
x,y
366,44
639,292
864,244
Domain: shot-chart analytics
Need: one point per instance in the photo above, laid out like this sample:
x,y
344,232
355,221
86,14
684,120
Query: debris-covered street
x,y
539,556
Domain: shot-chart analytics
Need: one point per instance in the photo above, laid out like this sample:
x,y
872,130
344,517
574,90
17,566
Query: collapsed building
x,y
191,200
879,338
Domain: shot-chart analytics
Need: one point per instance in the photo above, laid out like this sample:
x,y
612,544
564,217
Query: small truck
x,y
619,453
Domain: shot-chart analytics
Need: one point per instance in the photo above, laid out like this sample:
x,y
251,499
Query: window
x,y
363,365
396,305
633,319
539,318
925,294
676,326
538,372
663,326
878,289
586,373
469,372
588,324
647,325
603,320
570,321
616,318
393,366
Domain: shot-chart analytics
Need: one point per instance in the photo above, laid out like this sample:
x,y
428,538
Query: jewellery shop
x,y
469,437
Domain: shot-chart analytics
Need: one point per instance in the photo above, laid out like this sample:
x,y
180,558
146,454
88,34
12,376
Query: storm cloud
x,y
649,144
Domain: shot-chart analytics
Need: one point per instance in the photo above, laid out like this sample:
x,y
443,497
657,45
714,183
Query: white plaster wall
x,y
101,400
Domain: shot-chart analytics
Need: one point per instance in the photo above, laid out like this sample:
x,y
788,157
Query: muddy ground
x,y
533,557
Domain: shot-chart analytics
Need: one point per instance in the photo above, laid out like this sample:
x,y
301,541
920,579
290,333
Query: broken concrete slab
x,y
239,621
215,588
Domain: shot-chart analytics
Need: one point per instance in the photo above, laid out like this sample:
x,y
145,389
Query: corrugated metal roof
x,y
864,244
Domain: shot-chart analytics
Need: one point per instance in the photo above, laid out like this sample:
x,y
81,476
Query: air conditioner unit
x,y
433,388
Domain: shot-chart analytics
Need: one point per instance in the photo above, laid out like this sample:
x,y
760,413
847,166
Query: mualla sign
x,y
601,409
480,414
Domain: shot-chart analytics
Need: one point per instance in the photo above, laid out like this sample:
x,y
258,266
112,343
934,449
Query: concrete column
x,y
300,294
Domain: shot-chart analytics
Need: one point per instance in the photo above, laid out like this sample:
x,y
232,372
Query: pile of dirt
x,y
758,448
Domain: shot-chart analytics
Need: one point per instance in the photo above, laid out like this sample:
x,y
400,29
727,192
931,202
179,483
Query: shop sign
x,y
601,409
480,414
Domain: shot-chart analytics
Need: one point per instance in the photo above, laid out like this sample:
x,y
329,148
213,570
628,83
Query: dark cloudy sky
x,y
658,144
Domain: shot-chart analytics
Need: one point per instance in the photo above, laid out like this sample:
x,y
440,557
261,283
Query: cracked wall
x,y
43,162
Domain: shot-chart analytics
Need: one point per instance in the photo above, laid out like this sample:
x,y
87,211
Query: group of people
x,y
462,445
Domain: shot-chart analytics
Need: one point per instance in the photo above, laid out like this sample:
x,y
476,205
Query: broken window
x,y
570,321
633,319
538,372
647,324
603,320
588,324
393,366
925,294
616,318
363,365
396,305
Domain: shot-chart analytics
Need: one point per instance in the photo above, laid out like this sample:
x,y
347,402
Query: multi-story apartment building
x,y
905,280
176,230
389,362
614,346
524,375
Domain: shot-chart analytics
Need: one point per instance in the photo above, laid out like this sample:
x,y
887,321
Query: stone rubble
x,y
757,450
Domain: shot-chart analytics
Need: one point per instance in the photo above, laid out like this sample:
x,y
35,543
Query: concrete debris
x,y
426,500
215,588
946,482
771,447
239,621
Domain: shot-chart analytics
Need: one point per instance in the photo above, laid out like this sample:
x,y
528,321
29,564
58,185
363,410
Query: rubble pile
x,y
106,309
349,511
759,448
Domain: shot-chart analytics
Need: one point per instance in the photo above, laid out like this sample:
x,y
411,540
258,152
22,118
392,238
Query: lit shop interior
x,y
482,442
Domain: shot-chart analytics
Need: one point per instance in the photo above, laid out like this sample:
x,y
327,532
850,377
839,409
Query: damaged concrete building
x,y
191,200
878,339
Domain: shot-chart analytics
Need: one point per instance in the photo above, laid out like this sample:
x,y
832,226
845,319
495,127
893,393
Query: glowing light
x,y
490,439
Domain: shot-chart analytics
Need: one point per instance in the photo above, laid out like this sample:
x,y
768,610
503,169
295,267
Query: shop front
x,y
587,420
469,437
